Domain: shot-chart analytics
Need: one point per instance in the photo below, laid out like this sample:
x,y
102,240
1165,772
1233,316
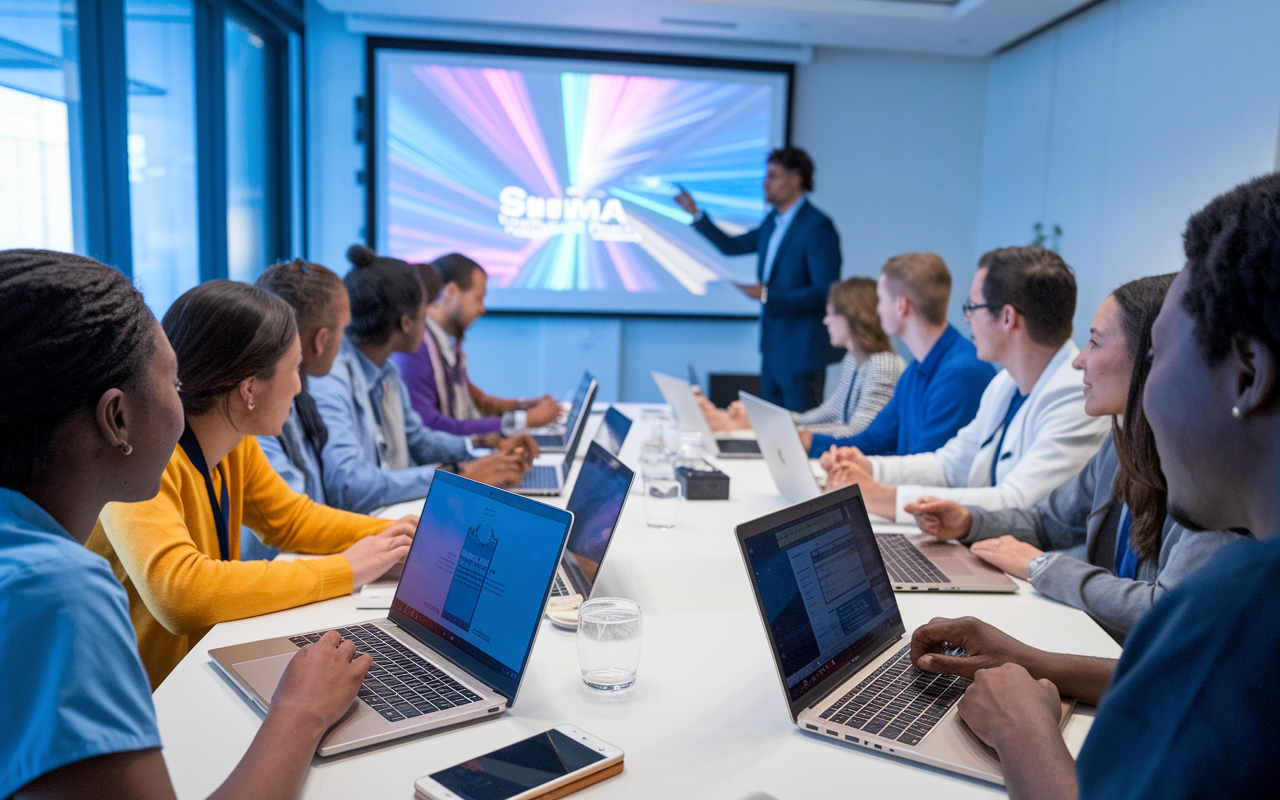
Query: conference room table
x,y
706,717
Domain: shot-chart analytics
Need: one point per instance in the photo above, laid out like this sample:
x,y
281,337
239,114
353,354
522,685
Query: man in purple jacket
x,y
439,388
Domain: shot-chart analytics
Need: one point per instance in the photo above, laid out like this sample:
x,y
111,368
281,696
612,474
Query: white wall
x,y
1120,123
897,140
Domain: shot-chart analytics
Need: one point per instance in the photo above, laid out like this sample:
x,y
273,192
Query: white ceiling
x,y
954,27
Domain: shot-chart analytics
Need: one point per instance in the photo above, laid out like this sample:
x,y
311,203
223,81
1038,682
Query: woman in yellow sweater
x,y
238,357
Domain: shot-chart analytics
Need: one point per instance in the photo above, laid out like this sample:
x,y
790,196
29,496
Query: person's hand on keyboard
x,y
372,556
934,647
1006,703
319,685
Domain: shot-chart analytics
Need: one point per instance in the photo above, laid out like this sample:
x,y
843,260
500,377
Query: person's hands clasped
x,y
847,473
321,681
373,555
941,519
544,412
1006,553
520,444
851,455
984,645
1005,703
717,419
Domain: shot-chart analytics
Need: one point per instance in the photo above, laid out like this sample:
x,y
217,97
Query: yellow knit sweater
x,y
165,552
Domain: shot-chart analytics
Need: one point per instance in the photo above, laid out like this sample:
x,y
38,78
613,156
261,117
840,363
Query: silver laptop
x,y
679,395
456,642
596,504
916,561
838,642
554,438
550,474
613,430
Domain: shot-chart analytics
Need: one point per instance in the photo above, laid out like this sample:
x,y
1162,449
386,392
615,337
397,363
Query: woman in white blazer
x,y
1031,433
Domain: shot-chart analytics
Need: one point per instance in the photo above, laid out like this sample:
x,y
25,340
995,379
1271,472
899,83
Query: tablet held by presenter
x,y
797,259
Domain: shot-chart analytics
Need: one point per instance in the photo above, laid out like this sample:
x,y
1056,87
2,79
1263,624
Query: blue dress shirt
x,y
935,398
780,224
73,685
350,402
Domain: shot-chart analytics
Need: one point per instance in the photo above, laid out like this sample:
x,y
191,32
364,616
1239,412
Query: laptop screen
x,y
596,504
481,564
576,408
822,589
613,430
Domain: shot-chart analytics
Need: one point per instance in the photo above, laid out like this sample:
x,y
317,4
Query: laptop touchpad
x,y
263,674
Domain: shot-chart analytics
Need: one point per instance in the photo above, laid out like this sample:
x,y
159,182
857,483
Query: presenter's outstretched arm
x,y
317,688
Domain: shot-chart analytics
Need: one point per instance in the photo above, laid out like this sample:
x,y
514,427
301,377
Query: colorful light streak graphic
x,y
456,136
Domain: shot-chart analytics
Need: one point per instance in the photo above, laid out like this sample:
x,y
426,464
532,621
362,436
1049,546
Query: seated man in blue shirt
x,y
378,452
1190,708
940,391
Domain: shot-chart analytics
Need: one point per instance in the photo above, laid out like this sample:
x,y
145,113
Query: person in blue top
x,y
1190,708
90,414
377,451
798,258
940,391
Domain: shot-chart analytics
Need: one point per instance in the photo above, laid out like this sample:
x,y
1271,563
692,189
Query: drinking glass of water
x,y
661,502
609,636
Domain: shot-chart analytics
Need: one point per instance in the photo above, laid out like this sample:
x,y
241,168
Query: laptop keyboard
x,y
898,701
905,563
541,476
401,683
559,589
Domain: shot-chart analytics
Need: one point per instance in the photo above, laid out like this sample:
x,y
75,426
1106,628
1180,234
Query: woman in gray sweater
x,y
1115,506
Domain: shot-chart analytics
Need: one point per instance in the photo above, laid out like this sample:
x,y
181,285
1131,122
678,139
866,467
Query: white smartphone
x,y
527,769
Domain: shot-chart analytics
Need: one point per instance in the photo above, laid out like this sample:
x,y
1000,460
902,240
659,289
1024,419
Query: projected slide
x,y
558,175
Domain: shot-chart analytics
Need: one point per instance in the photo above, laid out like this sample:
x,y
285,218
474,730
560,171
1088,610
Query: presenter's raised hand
x,y
685,201
941,519
543,412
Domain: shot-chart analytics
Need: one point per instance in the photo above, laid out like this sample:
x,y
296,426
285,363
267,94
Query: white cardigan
x,y
1049,440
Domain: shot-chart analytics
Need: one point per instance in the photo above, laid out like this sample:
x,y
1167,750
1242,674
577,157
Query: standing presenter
x,y
798,260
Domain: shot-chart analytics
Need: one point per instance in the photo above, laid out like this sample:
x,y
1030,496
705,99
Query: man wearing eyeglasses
x,y
1031,432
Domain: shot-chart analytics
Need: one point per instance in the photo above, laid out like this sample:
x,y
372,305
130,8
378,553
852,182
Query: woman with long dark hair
x,y
1115,506
89,415
238,357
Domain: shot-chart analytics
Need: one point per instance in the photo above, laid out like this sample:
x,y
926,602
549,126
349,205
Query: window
x,y
249,217
160,54
38,117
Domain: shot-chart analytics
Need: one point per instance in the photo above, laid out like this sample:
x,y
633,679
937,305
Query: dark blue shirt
x,y
1192,708
934,399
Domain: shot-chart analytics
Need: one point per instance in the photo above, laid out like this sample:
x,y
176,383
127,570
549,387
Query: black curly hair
x,y
72,328
1233,260
793,159
382,290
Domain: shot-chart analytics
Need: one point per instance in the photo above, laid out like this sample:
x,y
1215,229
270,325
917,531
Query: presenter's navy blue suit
x,y
794,346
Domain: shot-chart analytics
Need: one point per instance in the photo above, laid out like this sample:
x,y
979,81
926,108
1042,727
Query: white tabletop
x,y
707,717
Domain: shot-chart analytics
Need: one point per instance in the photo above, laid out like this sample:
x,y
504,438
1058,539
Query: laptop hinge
x,y
824,690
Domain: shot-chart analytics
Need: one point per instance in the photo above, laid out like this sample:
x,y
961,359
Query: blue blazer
x,y
792,335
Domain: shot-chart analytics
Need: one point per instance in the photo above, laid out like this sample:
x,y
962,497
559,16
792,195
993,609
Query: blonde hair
x,y
924,280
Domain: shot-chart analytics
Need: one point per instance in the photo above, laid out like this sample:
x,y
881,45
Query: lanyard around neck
x,y
191,446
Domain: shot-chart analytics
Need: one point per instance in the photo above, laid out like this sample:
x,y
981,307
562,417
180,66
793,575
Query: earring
x,y
1235,412
250,405
126,448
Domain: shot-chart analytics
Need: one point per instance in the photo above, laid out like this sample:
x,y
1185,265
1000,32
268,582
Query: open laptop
x,y
555,438
550,474
679,395
456,643
838,641
596,504
916,561
613,430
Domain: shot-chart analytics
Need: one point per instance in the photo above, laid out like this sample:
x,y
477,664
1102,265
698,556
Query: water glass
x,y
609,637
661,502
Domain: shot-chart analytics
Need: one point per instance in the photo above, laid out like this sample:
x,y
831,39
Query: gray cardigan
x,y
1082,511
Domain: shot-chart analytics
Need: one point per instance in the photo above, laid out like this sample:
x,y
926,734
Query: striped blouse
x,y
859,395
